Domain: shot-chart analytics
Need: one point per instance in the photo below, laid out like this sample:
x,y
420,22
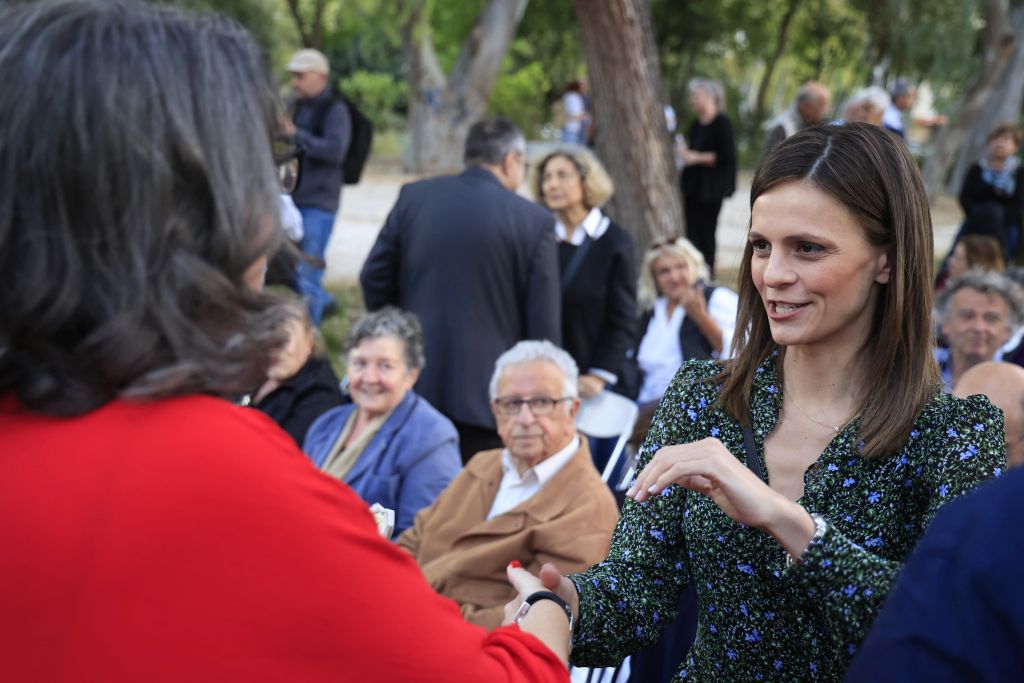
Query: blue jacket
x,y
406,465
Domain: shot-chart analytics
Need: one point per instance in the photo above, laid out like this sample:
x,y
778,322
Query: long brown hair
x,y
870,172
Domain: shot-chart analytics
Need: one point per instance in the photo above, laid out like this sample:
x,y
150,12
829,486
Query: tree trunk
x,y
998,48
1004,105
623,70
442,108
313,35
780,48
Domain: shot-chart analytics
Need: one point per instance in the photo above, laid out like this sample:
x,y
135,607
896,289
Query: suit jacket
x,y
464,555
407,463
478,265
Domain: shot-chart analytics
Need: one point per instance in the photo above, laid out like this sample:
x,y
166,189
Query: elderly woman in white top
x,y
683,317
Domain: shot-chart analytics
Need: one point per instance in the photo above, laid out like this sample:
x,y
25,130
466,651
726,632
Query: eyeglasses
x,y
509,406
288,157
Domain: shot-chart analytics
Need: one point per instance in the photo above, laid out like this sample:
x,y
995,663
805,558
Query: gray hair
x,y
873,95
812,91
986,282
490,140
538,351
902,87
391,322
713,88
1016,274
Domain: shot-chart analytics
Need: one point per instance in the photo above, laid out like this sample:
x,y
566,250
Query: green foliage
x,y
380,96
520,94
334,330
844,43
363,35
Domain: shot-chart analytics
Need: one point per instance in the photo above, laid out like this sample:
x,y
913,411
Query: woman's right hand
x,y
693,301
545,620
549,579
553,581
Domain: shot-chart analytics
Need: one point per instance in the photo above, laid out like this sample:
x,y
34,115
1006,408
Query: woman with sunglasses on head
x,y
153,530
684,317
788,484
596,264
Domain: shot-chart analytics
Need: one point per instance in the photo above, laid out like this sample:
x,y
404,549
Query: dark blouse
x,y
758,619
599,305
711,183
976,193
302,398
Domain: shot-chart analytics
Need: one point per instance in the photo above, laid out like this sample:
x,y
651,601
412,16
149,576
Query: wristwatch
x,y
820,527
544,595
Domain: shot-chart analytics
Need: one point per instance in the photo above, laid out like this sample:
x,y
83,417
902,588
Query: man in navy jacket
x,y
478,265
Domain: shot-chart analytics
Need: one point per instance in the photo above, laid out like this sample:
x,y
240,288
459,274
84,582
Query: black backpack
x,y
362,136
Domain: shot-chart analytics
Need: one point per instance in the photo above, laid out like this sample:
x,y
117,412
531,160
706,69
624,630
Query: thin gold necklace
x,y
822,424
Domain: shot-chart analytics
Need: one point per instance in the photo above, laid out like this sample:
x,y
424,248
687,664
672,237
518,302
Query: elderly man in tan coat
x,y
538,500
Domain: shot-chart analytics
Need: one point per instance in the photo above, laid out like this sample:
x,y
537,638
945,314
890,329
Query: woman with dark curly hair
x,y
151,529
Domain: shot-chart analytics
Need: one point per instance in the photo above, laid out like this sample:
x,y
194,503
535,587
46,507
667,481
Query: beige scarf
x,y
342,458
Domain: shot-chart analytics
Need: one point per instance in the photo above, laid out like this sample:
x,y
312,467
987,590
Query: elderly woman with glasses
x,y
596,262
389,444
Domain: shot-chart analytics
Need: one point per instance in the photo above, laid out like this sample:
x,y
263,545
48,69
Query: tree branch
x,y
293,7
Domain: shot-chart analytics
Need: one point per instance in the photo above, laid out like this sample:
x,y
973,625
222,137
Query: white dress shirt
x,y
595,224
515,489
659,355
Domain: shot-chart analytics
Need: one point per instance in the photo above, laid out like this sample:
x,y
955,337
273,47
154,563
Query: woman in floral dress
x,y
837,387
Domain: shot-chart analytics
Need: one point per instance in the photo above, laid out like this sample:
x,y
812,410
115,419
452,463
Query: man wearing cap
x,y
322,127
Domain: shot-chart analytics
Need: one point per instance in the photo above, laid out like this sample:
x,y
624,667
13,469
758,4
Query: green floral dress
x,y
759,620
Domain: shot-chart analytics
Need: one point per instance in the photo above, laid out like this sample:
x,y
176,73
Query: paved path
x,y
366,206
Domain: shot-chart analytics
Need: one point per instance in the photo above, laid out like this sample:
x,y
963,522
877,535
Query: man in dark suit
x,y
478,264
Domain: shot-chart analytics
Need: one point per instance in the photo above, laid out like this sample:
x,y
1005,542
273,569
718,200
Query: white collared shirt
x,y
515,489
595,225
659,355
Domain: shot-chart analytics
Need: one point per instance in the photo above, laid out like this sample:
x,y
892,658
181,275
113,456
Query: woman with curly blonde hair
x,y
596,262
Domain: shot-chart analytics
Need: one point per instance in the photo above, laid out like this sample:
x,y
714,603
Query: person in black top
x,y
709,170
994,187
301,385
596,262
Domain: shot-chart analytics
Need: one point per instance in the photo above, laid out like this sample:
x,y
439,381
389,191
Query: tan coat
x,y
463,554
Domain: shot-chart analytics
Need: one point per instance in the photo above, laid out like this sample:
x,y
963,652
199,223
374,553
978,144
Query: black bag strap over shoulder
x,y
752,460
575,262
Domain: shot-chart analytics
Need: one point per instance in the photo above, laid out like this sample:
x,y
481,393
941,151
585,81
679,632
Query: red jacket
x,y
189,540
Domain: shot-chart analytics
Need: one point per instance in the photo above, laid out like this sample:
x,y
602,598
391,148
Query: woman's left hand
x,y
709,468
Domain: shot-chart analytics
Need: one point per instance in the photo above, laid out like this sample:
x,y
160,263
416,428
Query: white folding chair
x,y
605,416
611,674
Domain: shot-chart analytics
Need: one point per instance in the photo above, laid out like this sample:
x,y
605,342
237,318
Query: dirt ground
x,y
364,208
